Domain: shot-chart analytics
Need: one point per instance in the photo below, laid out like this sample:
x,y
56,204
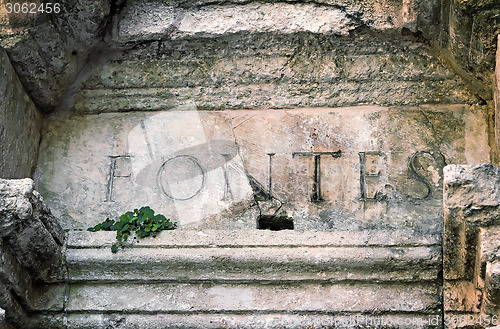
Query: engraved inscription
x,y
316,190
368,175
227,188
259,190
223,169
270,171
416,160
113,173
181,177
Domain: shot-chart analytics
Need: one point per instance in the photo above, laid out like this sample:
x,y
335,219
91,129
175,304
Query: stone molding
x,y
248,279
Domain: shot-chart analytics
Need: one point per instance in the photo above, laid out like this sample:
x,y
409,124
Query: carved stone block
x,y
325,169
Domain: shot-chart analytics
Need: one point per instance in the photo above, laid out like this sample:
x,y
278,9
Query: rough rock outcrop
x,y
31,253
29,230
468,32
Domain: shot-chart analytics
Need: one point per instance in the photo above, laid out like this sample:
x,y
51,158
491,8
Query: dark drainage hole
x,y
274,223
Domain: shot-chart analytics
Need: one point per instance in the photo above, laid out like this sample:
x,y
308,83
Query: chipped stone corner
x,y
32,253
29,230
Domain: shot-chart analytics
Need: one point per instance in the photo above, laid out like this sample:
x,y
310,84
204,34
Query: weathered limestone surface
x,y
214,20
220,298
55,54
224,169
469,32
260,255
213,278
31,251
20,125
471,240
28,228
245,321
370,176
48,51
185,18
265,69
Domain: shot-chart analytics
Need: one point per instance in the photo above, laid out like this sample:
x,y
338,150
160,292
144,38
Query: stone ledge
x,y
257,256
281,298
238,69
258,263
271,95
166,21
241,321
258,238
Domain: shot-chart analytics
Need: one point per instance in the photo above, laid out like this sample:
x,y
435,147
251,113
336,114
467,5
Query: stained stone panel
x,y
20,125
325,168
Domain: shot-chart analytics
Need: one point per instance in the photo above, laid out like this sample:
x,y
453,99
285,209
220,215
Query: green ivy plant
x,y
143,222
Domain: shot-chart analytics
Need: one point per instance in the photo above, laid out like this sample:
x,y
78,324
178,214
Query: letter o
x,y
182,168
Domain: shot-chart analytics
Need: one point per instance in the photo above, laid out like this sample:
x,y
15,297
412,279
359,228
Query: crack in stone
x,y
253,182
431,125
245,169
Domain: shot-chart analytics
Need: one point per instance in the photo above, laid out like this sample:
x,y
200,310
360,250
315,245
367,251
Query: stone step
x,y
285,305
265,95
240,321
254,255
247,279
260,238
332,264
273,69
214,297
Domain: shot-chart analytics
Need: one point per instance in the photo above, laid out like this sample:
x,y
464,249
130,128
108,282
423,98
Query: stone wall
x,y
54,53
469,32
471,243
496,84
48,51
267,55
332,115
20,125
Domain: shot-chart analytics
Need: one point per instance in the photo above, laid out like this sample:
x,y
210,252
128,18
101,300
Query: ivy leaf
x,y
118,226
143,222
106,225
